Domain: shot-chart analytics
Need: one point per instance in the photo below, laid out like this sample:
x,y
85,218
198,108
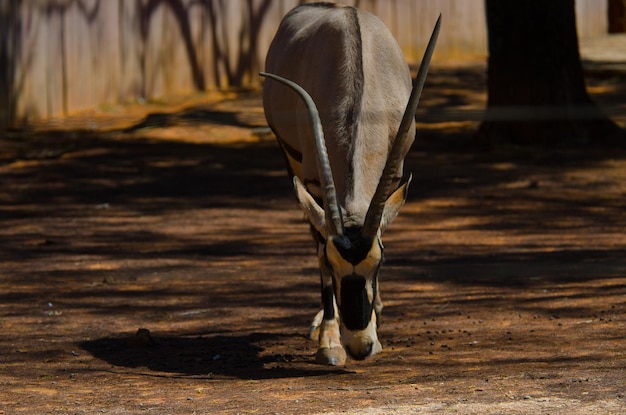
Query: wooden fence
x,y
62,56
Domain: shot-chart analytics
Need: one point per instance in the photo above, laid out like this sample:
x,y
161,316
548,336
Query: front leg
x,y
330,351
326,323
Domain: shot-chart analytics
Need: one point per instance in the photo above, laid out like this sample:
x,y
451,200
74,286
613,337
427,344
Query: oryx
x,y
346,160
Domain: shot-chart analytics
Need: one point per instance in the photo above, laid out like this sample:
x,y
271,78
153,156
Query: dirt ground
x,y
504,286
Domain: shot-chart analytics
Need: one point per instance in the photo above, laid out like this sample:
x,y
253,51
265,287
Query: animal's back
x,y
354,70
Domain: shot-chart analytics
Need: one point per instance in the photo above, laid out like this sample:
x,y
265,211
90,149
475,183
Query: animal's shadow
x,y
234,356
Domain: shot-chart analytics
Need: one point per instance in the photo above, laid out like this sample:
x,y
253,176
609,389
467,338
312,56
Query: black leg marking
x,y
328,297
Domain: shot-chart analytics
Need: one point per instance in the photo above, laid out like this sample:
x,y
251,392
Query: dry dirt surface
x,y
153,260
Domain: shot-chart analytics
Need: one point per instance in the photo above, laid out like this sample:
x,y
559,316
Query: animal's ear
x,y
394,203
314,212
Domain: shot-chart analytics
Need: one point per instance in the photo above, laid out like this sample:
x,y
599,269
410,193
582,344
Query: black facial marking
x,y
352,246
356,310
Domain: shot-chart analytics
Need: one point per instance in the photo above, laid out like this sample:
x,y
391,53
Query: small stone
x,y
141,339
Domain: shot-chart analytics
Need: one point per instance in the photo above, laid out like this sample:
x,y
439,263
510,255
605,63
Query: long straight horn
x,y
334,221
377,205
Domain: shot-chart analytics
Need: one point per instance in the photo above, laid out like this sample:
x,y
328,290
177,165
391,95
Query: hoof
x,y
334,356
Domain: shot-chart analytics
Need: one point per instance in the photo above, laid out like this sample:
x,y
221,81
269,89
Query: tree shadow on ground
x,y
142,174
190,116
115,175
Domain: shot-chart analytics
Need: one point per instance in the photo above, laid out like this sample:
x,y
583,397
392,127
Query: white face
x,y
354,264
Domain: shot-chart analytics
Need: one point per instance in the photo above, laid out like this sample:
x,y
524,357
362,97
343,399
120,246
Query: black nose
x,y
361,354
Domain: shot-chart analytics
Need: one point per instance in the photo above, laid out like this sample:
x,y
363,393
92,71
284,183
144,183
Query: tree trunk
x,y
617,16
536,90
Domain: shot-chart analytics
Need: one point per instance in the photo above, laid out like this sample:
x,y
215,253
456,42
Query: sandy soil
x,y
504,286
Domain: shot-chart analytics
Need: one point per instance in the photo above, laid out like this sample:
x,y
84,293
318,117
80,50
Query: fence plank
x,y
268,27
31,66
404,22
78,60
154,51
209,52
55,81
8,32
591,17
132,80
105,53
197,16
172,60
